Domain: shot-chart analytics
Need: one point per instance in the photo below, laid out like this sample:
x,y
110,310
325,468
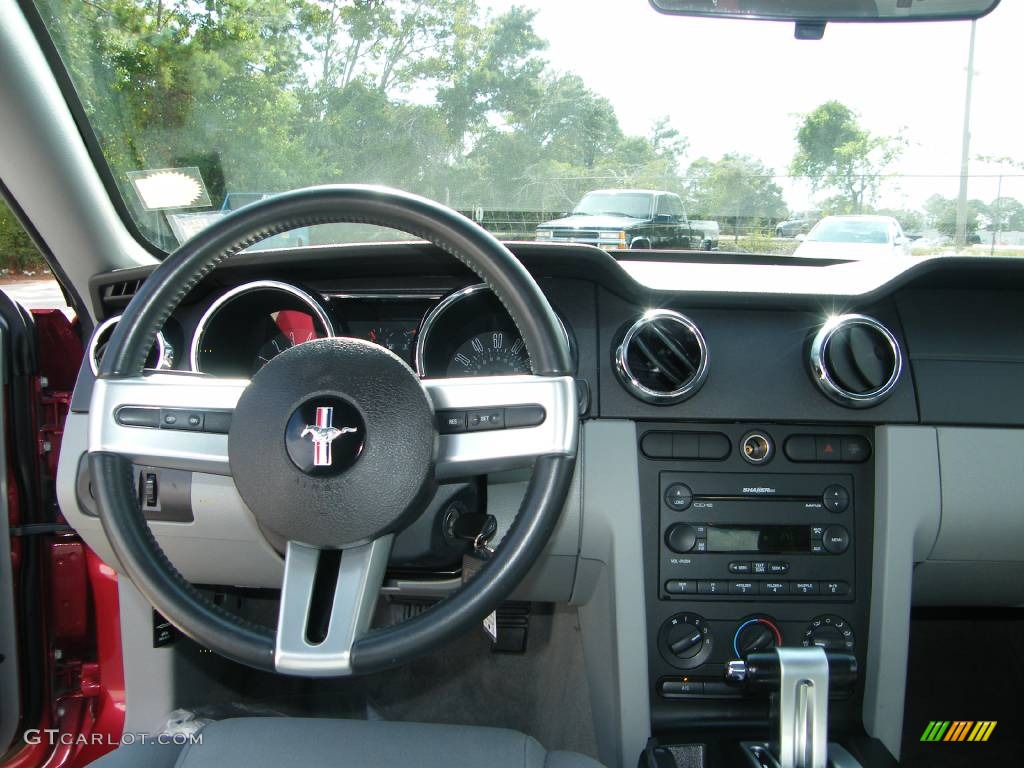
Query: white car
x,y
854,237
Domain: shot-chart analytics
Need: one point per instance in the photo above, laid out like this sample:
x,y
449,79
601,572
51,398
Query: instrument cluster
x,y
466,332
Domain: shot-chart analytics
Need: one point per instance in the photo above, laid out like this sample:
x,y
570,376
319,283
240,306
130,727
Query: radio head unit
x,y
732,535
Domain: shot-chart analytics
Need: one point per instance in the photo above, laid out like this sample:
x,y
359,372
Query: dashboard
x,y
438,332
799,450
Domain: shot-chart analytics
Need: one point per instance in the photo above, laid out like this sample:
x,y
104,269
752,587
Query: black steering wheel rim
x,y
129,534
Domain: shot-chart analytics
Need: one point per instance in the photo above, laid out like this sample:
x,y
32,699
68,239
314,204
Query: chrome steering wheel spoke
x,y
480,449
327,603
119,404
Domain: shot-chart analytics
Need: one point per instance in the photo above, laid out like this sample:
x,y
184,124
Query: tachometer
x,y
250,325
494,353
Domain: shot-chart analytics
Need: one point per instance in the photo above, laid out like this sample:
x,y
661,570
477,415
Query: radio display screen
x,y
767,539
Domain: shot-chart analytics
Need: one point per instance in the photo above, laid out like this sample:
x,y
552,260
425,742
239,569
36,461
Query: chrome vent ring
x,y
663,358
855,361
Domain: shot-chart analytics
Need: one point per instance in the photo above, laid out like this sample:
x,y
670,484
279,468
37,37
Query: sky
x,y
741,86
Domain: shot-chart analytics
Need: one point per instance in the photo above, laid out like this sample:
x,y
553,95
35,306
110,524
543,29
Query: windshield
x,y
521,112
850,231
631,204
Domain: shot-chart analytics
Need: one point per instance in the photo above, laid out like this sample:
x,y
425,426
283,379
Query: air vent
x,y
161,357
662,358
120,293
855,360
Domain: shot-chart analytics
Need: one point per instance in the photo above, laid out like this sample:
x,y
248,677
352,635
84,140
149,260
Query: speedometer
x,y
470,333
493,353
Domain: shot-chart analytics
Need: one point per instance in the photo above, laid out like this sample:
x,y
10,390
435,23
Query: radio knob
x,y
680,537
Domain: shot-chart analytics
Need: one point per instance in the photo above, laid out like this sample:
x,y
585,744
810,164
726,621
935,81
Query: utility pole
x,y
961,203
998,216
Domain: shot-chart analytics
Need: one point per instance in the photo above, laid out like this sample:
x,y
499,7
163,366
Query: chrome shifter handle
x,y
803,707
800,679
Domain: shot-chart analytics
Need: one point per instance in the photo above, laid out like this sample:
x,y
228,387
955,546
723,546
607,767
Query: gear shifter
x,y
800,678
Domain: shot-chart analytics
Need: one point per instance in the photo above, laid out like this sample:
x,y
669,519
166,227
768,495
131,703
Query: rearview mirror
x,y
830,10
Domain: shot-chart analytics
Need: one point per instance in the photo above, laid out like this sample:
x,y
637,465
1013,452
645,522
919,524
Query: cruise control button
x,y
178,418
487,419
836,499
836,539
451,422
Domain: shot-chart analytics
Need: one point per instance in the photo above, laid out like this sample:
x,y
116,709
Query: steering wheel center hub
x,y
332,444
325,436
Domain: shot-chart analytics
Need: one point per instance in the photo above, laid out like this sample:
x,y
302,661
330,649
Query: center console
x,y
756,536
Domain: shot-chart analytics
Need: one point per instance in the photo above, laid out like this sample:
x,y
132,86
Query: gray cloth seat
x,y
262,742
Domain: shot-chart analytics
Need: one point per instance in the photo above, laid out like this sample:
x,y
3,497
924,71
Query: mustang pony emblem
x,y
324,433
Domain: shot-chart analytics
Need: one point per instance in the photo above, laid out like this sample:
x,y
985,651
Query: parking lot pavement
x,y
37,294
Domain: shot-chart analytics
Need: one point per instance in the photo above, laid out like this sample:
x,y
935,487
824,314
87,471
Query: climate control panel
x,y
686,641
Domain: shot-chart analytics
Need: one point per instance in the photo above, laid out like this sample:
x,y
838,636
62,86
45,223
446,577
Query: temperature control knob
x,y
681,537
831,632
685,640
758,633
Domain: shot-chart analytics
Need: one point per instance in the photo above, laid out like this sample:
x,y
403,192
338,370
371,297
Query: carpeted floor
x,y
542,692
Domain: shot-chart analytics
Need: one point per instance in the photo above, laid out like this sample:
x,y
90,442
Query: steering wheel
x,y
333,515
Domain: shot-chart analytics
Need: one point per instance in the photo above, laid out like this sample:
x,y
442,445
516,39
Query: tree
x,y
735,186
268,95
1007,214
835,153
17,251
940,213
